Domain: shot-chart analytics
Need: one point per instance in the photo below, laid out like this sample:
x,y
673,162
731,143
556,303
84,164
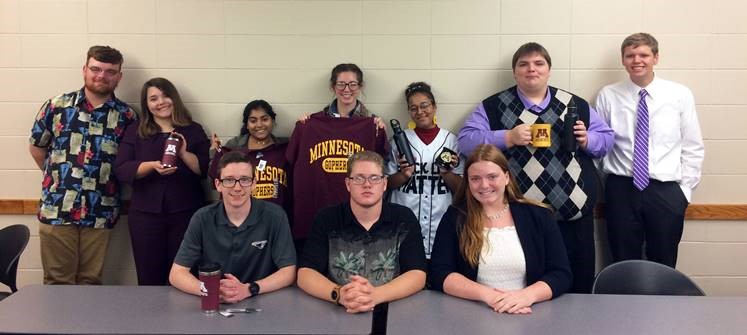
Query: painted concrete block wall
x,y
222,54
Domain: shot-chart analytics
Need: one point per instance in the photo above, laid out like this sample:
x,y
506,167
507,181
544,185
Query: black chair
x,y
13,240
644,278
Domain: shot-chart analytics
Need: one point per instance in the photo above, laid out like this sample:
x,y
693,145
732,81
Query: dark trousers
x,y
578,237
655,216
155,240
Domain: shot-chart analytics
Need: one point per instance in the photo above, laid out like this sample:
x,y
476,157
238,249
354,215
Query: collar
x,y
81,100
385,216
250,220
531,106
332,109
653,88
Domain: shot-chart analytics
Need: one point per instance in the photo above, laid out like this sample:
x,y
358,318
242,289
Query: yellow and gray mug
x,y
541,135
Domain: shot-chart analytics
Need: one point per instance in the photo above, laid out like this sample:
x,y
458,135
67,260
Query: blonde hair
x,y
639,39
471,238
365,156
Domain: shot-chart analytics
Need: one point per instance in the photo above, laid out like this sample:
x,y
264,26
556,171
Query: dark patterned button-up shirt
x,y
82,140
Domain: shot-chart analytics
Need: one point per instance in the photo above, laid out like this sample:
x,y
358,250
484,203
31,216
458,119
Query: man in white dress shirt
x,y
656,162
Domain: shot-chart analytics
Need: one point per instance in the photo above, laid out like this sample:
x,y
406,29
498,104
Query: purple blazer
x,y
155,193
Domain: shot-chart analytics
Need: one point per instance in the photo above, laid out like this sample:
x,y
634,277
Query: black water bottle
x,y
400,139
569,140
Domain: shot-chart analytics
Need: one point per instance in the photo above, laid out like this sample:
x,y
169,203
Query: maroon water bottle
x,y
210,275
170,149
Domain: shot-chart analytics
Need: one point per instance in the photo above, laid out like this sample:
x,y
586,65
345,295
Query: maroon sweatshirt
x,y
318,152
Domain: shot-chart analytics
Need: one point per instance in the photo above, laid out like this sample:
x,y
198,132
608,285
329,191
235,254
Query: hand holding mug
x,y
519,135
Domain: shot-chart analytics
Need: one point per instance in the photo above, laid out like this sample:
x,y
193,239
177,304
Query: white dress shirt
x,y
675,143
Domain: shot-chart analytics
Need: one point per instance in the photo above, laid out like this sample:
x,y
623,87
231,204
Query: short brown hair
x,y
528,49
105,54
365,156
639,39
233,157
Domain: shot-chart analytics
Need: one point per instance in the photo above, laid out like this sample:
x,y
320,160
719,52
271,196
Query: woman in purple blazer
x,y
163,198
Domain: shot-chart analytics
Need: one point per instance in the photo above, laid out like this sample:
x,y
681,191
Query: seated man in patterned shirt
x,y
363,252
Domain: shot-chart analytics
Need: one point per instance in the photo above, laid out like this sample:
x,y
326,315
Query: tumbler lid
x,y
209,267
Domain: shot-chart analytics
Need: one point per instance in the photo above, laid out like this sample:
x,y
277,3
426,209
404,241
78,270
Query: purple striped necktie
x,y
640,147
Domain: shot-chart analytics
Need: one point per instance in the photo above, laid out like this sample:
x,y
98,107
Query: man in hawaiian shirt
x,y
74,142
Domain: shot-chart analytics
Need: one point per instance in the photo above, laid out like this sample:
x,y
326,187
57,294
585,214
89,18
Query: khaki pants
x,y
72,254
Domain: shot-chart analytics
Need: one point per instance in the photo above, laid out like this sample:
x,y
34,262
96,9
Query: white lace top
x,y
502,264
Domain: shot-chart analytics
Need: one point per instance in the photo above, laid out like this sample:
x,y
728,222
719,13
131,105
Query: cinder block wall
x,y
222,54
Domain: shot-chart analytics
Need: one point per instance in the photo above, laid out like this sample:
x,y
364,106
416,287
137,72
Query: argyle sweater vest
x,y
565,180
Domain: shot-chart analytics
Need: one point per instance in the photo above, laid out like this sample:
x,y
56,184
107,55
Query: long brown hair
x,y
470,233
179,118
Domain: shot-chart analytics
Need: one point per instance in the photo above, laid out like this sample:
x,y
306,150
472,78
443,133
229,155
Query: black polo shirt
x,y
338,246
252,251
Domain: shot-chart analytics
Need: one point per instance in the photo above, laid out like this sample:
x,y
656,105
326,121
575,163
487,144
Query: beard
x,y
103,88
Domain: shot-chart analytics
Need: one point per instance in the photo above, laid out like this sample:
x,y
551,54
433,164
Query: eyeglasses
x,y
360,180
353,85
97,70
416,108
231,182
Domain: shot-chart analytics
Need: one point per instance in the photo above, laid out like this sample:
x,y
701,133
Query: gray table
x,y
165,310
434,313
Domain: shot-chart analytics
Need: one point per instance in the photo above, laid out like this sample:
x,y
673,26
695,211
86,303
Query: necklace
x,y
261,143
499,215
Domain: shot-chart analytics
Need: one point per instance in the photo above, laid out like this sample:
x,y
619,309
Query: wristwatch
x,y
335,294
254,288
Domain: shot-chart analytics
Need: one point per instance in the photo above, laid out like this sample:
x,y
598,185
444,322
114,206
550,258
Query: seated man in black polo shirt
x,y
365,251
249,238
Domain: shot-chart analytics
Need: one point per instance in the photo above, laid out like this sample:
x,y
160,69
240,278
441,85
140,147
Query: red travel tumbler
x,y
170,150
210,275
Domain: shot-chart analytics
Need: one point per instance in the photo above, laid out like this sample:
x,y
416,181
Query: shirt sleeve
x,y
316,248
411,251
476,131
600,136
125,165
283,251
392,167
445,250
693,151
557,268
190,251
382,145
42,130
200,146
291,152
213,169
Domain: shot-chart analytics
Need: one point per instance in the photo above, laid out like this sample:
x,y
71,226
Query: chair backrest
x,y
13,240
644,278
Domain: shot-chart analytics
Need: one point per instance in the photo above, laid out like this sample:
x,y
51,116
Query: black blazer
x,y
155,193
540,238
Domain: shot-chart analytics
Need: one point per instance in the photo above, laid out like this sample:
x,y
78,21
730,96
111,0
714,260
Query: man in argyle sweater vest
x,y
566,180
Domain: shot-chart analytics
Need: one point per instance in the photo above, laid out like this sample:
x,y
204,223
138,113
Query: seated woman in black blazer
x,y
495,246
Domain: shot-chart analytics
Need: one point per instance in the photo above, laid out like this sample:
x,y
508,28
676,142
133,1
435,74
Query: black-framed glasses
x,y
231,182
360,180
97,70
353,85
423,106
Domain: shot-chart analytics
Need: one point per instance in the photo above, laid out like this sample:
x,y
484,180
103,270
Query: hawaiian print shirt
x,y
82,140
